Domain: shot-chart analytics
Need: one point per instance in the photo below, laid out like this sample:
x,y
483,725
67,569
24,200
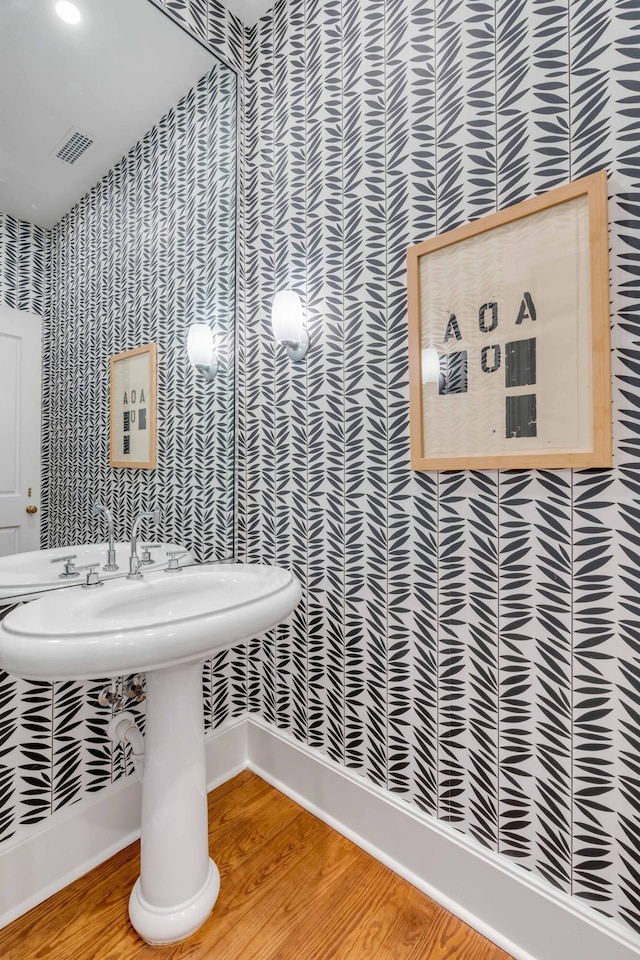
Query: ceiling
x,y
107,77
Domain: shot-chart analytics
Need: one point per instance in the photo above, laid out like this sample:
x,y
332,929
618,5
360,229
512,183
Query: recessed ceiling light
x,y
68,12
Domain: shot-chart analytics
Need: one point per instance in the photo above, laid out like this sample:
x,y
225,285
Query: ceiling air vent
x,y
75,145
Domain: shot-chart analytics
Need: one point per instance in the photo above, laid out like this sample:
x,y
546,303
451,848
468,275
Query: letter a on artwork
x,y
527,310
453,330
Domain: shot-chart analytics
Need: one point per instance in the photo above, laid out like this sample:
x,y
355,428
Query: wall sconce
x,y
201,350
288,323
430,365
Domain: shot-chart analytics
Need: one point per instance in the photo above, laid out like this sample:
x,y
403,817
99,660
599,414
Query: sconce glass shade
x,y
200,344
430,365
200,349
288,323
286,316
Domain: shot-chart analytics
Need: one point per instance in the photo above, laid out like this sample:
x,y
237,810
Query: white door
x,y
20,401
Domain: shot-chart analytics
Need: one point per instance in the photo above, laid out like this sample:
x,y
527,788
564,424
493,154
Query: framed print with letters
x,y
133,408
509,337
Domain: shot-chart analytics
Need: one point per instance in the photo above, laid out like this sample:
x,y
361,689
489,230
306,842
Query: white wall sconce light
x,y
430,365
288,323
201,351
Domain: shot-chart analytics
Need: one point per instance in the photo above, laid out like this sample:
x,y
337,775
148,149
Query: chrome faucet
x,y
111,552
134,559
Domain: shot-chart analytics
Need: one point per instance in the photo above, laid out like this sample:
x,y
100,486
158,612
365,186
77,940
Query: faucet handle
x,y
69,568
146,552
93,577
174,558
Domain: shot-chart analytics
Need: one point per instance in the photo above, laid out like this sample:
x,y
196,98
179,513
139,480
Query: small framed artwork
x,y
133,408
509,329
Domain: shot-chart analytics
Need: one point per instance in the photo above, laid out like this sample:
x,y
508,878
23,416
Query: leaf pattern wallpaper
x,y
469,640
22,264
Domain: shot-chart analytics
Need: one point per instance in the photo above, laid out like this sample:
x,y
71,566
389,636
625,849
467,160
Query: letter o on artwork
x,y
482,313
496,358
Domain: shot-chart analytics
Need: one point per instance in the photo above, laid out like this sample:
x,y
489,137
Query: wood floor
x,y
292,889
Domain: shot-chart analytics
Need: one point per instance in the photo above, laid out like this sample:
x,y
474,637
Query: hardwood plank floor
x,y
292,889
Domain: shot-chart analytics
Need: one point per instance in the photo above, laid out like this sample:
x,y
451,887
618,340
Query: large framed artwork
x,y
509,329
133,408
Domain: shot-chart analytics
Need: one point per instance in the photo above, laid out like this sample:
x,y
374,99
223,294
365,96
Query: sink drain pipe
x,y
124,729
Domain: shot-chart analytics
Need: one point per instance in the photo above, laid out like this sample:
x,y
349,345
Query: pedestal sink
x,y
165,626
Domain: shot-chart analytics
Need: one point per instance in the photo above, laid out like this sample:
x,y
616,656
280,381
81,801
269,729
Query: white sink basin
x,y
165,626
133,626
25,575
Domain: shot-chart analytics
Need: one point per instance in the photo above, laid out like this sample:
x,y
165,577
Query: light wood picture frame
x,y
133,408
515,309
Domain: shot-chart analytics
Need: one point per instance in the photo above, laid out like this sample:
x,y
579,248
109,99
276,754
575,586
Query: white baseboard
x,y
524,915
521,913
68,844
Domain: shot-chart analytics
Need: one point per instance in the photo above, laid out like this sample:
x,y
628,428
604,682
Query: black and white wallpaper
x,y
150,250
22,264
468,641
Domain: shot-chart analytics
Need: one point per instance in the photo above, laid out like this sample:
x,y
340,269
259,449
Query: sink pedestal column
x,y
178,883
